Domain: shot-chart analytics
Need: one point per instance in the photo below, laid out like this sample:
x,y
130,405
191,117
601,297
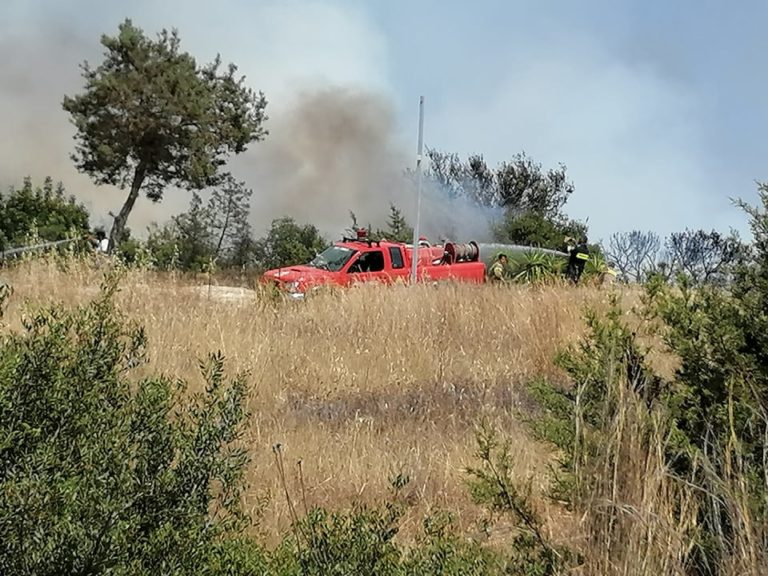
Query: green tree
x,y
533,198
228,210
163,245
214,231
243,249
46,210
288,243
150,117
194,237
397,229
534,229
472,179
520,184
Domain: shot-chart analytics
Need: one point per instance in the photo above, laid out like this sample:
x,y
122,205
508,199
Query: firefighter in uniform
x,y
496,272
577,259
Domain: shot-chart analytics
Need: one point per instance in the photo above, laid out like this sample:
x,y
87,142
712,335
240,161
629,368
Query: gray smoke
x,y
333,150
37,71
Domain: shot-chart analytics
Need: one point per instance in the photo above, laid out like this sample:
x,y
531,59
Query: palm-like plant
x,y
536,268
596,269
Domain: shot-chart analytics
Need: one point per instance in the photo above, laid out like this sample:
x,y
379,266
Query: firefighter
x,y
496,272
577,259
102,242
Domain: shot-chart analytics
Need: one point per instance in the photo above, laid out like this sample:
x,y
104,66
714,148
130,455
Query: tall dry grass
x,y
638,517
366,383
360,385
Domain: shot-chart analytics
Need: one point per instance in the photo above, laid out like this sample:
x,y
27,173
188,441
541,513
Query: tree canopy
x,y
45,211
532,198
288,243
151,117
519,184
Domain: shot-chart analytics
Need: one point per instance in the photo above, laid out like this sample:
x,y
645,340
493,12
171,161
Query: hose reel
x,y
455,253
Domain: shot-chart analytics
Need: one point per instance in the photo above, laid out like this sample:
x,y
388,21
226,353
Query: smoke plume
x,y
333,150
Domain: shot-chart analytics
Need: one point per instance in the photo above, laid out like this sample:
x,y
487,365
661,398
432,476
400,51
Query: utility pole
x,y
415,261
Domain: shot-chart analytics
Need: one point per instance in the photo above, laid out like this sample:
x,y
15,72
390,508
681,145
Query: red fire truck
x,y
360,259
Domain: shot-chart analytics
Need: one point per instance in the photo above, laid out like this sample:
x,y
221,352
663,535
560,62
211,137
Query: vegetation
x,y
699,256
532,229
452,429
397,230
45,213
658,430
102,476
355,422
150,117
698,431
532,199
536,268
216,233
288,243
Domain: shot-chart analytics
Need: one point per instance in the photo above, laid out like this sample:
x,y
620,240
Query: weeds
x,y
658,474
357,382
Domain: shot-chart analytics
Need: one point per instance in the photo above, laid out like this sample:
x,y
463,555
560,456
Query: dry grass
x,y
359,385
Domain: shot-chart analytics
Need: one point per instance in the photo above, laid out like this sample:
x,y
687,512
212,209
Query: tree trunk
x,y
224,227
125,211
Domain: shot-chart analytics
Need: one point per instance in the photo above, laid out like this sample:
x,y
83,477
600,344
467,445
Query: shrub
x,y
685,455
440,552
102,474
491,484
337,543
536,268
362,541
45,212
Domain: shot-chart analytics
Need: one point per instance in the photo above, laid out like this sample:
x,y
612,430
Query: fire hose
x,y
21,249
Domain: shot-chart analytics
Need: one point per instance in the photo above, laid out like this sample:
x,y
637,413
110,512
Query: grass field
x,y
359,385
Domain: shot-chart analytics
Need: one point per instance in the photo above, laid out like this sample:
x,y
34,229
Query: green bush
x,y
362,541
44,212
103,474
704,428
358,542
441,552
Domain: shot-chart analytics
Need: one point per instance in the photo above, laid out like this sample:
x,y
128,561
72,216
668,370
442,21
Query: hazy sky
x,y
655,107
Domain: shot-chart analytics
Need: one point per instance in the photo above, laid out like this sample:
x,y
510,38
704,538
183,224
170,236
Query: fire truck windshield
x,y
333,258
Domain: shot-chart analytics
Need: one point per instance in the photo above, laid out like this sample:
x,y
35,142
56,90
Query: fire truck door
x,y
368,267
